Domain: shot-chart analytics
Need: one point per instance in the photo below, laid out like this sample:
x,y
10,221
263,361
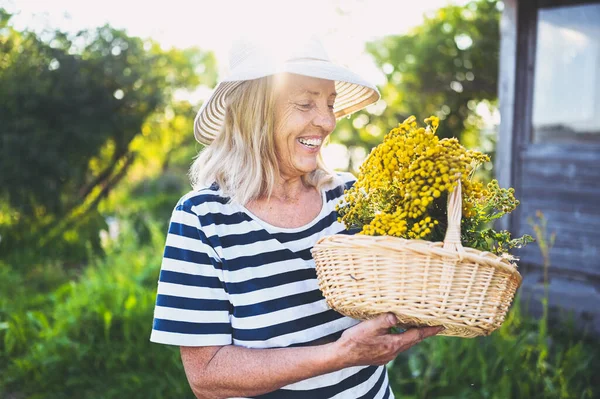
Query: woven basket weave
x,y
423,283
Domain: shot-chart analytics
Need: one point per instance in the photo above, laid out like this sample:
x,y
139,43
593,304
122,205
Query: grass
x,y
523,359
85,335
89,337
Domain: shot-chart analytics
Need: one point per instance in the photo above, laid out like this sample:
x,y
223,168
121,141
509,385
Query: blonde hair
x,y
242,158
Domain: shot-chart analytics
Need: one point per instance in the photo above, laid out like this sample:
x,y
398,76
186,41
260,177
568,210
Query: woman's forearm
x,y
235,371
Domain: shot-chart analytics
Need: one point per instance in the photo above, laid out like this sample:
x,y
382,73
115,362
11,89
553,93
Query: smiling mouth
x,y
311,143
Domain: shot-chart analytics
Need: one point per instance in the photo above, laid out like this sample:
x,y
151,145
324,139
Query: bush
x,y
518,361
93,342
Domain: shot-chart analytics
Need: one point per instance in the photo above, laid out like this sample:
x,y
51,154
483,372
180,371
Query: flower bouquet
x,y
425,249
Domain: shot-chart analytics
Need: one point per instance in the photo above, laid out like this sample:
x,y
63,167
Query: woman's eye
x,y
308,106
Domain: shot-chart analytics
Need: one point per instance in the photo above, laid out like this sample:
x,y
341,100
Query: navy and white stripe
x,y
228,277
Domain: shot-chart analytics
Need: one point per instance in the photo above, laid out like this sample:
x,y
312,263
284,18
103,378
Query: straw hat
x,y
253,59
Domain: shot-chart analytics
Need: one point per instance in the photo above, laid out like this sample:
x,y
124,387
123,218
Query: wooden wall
x,y
564,184
561,180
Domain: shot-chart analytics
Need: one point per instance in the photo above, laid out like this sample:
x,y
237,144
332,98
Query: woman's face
x,y
303,119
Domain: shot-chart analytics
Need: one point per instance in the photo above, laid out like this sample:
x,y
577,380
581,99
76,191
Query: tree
x,y
444,67
70,108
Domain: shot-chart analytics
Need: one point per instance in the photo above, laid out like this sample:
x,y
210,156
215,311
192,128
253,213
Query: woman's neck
x,y
289,189
292,204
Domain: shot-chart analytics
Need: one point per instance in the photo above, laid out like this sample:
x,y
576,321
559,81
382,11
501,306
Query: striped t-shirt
x,y
227,277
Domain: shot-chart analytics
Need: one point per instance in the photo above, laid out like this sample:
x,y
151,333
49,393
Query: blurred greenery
x,y
519,360
88,337
96,139
71,108
447,67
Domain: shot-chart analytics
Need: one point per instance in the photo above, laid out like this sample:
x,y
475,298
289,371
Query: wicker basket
x,y
424,283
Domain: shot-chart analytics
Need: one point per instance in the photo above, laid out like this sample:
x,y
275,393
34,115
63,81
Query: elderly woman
x,y
238,291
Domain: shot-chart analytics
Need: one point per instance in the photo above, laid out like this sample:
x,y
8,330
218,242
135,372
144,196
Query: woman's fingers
x,y
396,343
415,335
371,343
375,327
381,323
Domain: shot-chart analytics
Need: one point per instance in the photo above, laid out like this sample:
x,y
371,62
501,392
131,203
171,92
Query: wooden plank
x,y
561,3
565,170
563,151
573,298
506,95
526,47
577,247
565,260
577,294
582,196
549,203
577,222
537,178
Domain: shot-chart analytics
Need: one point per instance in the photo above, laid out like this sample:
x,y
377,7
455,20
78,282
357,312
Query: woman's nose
x,y
325,119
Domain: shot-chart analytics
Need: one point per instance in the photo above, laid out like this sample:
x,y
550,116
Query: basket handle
x,y
452,238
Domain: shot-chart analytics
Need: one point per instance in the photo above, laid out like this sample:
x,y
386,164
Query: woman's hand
x,y
370,342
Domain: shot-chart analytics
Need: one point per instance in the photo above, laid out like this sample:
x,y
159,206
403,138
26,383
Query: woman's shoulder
x,y
346,178
203,199
342,181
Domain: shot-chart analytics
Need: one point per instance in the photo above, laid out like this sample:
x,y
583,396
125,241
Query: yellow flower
x,y
404,182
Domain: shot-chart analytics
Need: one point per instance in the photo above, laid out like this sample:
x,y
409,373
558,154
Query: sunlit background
x,y
344,26
97,102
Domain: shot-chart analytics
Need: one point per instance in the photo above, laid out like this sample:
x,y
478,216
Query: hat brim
x,y
353,93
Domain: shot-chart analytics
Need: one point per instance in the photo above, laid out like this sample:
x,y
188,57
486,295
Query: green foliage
x,y
476,232
517,361
89,338
66,330
158,177
445,67
71,108
545,242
